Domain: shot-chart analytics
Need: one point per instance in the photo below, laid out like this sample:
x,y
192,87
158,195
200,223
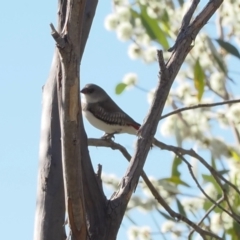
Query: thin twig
x,y
206,214
200,187
203,105
192,153
180,152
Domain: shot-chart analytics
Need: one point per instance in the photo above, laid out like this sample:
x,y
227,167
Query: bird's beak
x,y
84,90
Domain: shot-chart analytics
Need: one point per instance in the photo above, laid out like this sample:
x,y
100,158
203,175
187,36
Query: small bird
x,y
103,113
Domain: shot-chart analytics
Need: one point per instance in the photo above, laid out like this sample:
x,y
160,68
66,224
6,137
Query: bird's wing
x,y
109,112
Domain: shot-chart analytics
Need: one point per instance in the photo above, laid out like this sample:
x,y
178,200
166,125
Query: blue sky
x,y
26,54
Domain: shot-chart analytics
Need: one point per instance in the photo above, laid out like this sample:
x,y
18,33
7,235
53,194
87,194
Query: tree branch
x,y
50,207
185,23
118,203
57,37
203,105
68,95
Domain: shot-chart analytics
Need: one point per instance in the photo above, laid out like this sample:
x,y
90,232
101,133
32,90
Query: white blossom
x,y
143,38
211,191
150,95
123,14
193,204
217,81
111,22
124,31
150,54
120,2
130,79
218,148
184,89
234,113
167,226
154,9
215,220
133,233
145,233
134,51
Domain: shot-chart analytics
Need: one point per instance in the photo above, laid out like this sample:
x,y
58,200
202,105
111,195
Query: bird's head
x,y
93,93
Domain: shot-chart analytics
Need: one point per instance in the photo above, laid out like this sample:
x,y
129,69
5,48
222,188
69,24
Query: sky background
x,y
26,54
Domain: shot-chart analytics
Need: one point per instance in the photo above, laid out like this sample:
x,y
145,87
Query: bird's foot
x,y
108,136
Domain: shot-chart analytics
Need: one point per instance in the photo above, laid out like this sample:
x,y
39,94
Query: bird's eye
x,y
90,90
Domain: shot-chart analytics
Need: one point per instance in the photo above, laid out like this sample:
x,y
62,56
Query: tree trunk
x,y
50,208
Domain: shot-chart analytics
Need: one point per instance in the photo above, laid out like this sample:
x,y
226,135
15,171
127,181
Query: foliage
x,y
207,76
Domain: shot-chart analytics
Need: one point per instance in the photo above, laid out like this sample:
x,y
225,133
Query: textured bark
x,y
50,207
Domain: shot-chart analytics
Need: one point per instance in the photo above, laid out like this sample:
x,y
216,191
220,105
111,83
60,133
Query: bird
x,y
104,114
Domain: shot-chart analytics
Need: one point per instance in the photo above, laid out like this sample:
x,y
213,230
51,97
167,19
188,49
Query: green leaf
x,y
222,172
217,57
234,155
166,215
152,27
199,79
120,88
181,208
228,47
234,231
207,204
181,2
164,23
213,162
176,163
176,180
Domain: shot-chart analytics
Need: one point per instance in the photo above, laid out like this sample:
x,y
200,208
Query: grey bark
x,y
50,207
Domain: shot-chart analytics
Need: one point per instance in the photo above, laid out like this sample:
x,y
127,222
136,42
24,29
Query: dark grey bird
x,y
103,113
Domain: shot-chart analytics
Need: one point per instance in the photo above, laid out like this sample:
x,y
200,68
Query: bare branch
x,y
161,62
188,16
68,94
95,142
203,105
185,22
57,37
207,213
99,171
